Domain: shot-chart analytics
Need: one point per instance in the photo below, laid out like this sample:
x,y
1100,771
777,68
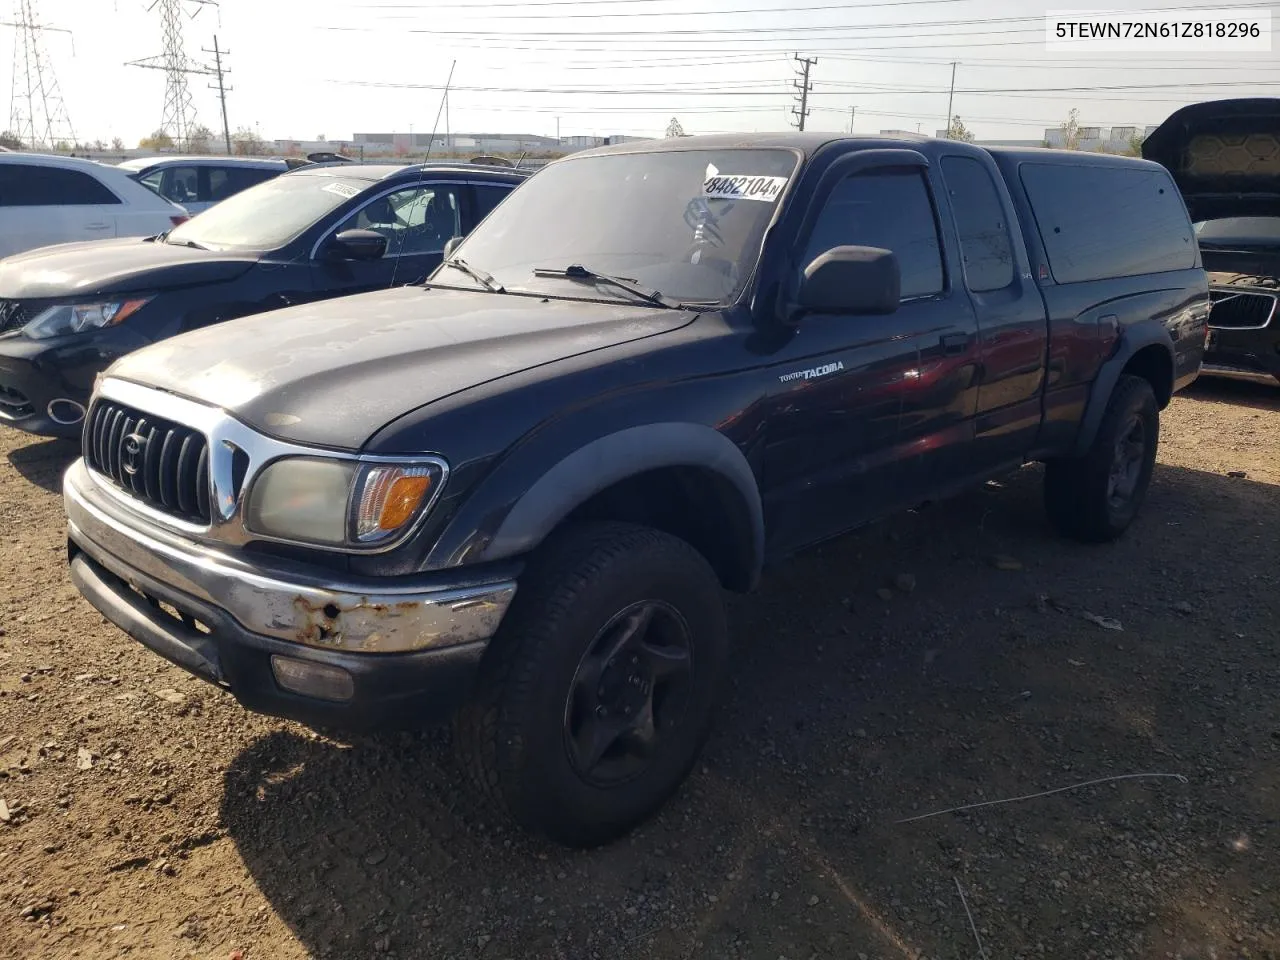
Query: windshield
x,y
269,215
1240,231
687,223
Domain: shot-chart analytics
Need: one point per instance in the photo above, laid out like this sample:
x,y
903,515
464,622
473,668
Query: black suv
x,y
67,311
1225,158
517,491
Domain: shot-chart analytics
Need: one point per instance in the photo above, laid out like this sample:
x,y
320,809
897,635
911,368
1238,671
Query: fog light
x,y
313,679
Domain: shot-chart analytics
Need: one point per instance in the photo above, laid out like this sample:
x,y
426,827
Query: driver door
x,y
417,220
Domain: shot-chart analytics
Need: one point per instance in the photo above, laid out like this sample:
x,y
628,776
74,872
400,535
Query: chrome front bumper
x,y
289,602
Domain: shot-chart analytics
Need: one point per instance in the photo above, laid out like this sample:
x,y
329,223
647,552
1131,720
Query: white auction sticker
x,y
341,189
1156,31
743,187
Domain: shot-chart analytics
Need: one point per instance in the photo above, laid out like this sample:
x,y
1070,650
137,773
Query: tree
x,y
674,129
1071,131
246,143
958,131
117,143
159,140
10,140
199,138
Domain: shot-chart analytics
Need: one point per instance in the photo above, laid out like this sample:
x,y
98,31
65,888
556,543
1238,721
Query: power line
x,y
805,85
430,7
790,11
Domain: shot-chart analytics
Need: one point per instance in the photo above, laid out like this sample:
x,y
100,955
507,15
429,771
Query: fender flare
x,y
1135,339
615,457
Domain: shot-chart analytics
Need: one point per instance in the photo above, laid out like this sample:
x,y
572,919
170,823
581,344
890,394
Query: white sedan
x,y
52,199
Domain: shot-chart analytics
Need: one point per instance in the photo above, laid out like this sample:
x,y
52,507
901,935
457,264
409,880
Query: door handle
x,y
954,343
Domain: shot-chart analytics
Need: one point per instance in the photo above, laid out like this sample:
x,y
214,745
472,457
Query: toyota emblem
x,y
131,453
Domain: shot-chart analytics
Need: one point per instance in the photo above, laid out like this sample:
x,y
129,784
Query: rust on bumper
x,y
313,609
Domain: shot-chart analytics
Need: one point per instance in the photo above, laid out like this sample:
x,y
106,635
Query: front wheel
x,y
598,691
1095,497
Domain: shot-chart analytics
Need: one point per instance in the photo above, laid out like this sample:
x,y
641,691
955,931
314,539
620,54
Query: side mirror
x,y
851,280
451,246
358,245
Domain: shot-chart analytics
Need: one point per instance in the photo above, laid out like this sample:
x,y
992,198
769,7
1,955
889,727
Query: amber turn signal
x,y
405,496
391,496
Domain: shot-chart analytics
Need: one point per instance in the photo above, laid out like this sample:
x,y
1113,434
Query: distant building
x,y
1111,140
404,143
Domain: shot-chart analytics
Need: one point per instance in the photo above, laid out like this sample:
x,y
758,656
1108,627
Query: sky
x,y
301,69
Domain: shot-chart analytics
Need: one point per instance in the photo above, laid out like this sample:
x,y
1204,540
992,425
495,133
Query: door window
x,y
180,184
419,219
984,235
226,181
28,185
887,209
488,196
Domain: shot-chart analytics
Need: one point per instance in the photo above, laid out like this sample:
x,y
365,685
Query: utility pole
x,y
852,111
804,85
557,131
221,87
951,97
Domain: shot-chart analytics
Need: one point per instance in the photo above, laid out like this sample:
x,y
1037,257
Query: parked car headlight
x,y
64,318
341,502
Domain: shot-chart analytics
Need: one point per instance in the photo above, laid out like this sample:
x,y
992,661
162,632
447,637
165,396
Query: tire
x,y
1095,497
532,730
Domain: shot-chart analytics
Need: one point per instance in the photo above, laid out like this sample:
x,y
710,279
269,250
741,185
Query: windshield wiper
x,y
186,243
576,271
475,273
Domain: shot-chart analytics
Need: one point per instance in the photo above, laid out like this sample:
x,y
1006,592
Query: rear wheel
x,y
598,691
1095,497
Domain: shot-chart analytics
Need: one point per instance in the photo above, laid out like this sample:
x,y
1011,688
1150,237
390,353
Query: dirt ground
x,y
145,814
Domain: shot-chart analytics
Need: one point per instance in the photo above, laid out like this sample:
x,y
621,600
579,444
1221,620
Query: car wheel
x,y
1094,498
597,693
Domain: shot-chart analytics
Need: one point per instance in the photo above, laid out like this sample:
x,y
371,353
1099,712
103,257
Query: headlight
x,y
64,318
340,502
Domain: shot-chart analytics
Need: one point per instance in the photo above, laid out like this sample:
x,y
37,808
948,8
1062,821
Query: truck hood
x,y
125,265
332,373
1224,156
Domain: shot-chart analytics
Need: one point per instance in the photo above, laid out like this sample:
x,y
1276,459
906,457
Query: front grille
x,y
14,404
13,315
162,463
1241,311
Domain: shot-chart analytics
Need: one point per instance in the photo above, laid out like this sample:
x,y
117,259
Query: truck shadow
x,y
43,462
990,671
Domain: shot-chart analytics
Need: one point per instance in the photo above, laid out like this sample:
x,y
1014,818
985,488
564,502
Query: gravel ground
x,y
954,656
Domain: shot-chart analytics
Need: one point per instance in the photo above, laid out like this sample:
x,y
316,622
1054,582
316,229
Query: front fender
x,y
592,468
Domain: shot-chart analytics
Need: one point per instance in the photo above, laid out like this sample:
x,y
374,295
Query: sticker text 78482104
x,y
742,187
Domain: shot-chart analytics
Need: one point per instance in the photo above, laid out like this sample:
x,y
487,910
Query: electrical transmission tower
x,y
37,115
804,85
179,117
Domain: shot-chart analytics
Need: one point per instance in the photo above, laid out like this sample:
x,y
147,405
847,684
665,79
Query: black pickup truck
x,y
515,493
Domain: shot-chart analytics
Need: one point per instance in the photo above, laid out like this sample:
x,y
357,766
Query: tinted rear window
x,y
28,185
1099,222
